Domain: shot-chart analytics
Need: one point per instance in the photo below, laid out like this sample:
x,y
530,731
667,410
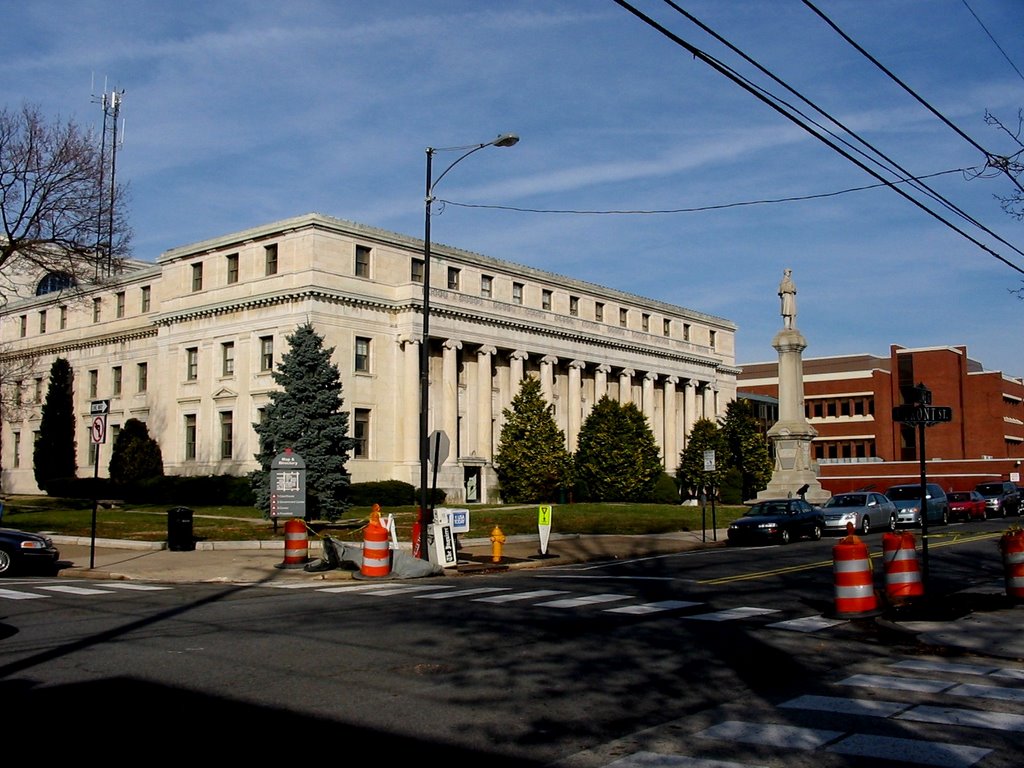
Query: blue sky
x,y
239,113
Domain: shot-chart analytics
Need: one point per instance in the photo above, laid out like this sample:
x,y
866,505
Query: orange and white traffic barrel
x,y
376,549
296,544
902,574
854,583
1012,546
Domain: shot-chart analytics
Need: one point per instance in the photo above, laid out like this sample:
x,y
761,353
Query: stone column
x,y
626,386
671,442
647,397
547,378
601,381
575,406
689,406
483,401
409,423
709,401
516,361
450,393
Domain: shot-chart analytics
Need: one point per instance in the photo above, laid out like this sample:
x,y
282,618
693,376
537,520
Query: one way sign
x,y
99,407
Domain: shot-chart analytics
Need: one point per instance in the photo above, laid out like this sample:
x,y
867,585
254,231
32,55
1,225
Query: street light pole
x,y
504,140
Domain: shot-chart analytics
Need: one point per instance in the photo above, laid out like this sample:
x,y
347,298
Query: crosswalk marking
x,y
988,692
807,624
576,602
645,608
135,586
403,589
731,614
893,683
916,751
771,734
999,721
75,590
654,760
516,596
11,594
923,665
841,706
462,593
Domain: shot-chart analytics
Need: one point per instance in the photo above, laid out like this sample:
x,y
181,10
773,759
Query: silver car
x,y
866,510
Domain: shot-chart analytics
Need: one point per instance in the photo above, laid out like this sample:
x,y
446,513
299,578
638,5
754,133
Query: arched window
x,y
55,281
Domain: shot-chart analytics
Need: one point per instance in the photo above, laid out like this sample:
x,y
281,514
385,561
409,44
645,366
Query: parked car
x,y
1001,498
865,509
778,520
966,505
22,552
907,498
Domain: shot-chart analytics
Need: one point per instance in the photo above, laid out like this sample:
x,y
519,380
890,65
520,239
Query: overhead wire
x,y
728,72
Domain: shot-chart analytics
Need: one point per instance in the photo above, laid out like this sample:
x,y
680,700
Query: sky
x,y
640,165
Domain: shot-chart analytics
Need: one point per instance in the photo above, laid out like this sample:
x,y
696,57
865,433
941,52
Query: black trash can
x,y
179,530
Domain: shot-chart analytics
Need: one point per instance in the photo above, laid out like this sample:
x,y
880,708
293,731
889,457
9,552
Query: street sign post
x,y
922,414
99,407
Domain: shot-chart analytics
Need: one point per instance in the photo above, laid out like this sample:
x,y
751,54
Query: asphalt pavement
x,y
984,621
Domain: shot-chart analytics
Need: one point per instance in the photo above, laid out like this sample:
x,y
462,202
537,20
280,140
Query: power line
x,y
996,44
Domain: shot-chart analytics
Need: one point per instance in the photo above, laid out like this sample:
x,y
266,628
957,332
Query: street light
x,y
504,140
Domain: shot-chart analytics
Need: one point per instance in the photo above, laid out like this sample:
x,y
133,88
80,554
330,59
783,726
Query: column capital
x,y
406,339
673,380
627,372
604,368
452,344
650,376
487,350
519,355
549,359
581,364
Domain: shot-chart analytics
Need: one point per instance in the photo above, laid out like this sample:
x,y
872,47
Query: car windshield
x,y
763,510
904,492
990,489
847,500
959,496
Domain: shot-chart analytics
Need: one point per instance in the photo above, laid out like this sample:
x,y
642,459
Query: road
x,y
725,654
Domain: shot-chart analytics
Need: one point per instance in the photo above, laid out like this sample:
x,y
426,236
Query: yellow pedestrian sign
x,y
544,526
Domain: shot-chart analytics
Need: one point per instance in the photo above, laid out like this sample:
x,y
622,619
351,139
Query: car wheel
x,y
892,524
865,526
784,536
945,517
816,532
5,561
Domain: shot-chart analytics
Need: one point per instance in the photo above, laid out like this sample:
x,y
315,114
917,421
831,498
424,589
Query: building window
x,y
232,260
686,331
712,339
192,363
666,327
63,318
417,271
574,306
599,311
227,419
362,355
142,377
623,317
97,306
37,395
23,326
453,279
266,353
120,304
645,322
545,299
94,454
361,433
486,281
362,261
17,392
17,450
115,430
270,258
190,437
197,277
145,302
94,383
115,384
42,321
227,358
517,293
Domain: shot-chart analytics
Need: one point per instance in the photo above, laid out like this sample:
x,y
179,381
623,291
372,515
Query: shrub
x,y
666,491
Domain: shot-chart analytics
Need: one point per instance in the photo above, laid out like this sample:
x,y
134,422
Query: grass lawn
x,y
149,522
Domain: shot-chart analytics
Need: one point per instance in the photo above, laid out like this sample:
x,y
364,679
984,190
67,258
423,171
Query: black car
x,y
778,520
22,552
1001,498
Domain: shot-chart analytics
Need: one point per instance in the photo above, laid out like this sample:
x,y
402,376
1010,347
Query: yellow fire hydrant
x,y
497,539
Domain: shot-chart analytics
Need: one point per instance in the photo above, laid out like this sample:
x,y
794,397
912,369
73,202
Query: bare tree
x,y
1010,165
61,213
16,368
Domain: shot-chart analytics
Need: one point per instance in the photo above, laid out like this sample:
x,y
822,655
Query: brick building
x,y
849,400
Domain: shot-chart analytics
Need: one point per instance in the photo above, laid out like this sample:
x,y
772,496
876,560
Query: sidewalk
x,y
982,621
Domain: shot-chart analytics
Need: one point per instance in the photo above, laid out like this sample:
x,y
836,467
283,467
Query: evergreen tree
x,y
53,456
748,450
306,415
705,436
617,458
532,463
135,456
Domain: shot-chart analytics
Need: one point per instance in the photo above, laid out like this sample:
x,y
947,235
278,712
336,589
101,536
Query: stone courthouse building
x,y
187,345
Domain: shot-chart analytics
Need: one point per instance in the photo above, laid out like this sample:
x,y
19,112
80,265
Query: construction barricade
x,y
854,584
902,573
376,548
1011,544
296,544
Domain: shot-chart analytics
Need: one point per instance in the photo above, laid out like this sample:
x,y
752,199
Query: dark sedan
x,y
778,520
22,552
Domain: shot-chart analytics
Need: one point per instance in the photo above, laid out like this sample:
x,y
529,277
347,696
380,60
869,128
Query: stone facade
x,y
188,344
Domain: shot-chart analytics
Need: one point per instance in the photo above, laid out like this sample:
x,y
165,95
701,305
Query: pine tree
x,y
53,456
306,415
704,436
135,456
748,450
532,463
617,458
